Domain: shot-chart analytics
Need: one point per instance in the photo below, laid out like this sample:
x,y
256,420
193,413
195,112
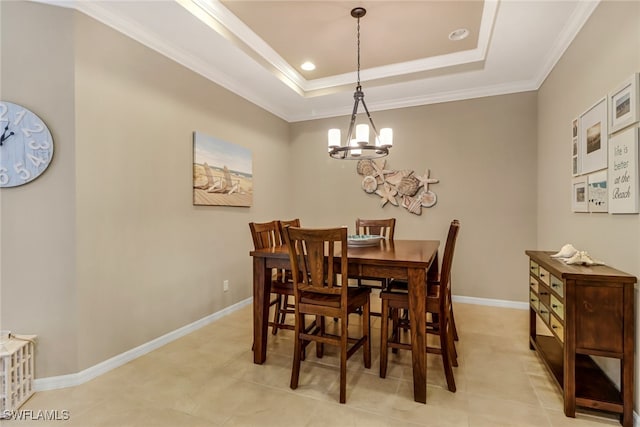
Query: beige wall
x,y
105,251
484,153
605,53
38,221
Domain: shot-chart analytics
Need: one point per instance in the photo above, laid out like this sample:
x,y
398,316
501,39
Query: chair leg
x,y
366,326
343,360
453,324
319,345
297,352
276,315
384,338
445,348
395,324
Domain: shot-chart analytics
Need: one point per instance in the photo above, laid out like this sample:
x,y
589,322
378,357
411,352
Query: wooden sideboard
x,y
589,312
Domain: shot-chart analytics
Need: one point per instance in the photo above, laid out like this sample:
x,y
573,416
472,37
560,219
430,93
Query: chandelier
x,y
358,147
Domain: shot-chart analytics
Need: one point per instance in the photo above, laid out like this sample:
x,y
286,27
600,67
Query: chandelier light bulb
x,y
355,151
334,138
386,137
362,134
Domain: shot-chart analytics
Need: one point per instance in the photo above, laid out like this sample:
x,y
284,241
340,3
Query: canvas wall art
x,y
222,172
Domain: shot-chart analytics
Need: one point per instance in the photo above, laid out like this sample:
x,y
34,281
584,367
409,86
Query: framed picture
x,y
575,151
623,172
222,172
579,194
597,191
623,104
593,137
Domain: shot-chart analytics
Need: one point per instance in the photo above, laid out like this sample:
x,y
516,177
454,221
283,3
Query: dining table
x,y
410,260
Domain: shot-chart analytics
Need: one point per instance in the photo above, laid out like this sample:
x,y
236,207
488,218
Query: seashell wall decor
x,y
398,187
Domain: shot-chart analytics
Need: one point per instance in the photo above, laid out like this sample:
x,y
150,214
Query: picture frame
x,y
579,195
593,138
624,176
222,172
598,195
575,150
624,104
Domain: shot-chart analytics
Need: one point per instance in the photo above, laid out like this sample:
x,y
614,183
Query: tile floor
x,y
207,378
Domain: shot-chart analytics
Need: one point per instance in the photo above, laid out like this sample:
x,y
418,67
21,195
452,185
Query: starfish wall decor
x,y
398,187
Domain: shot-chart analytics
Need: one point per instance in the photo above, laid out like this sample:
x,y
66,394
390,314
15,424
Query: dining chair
x,y
318,294
375,227
438,304
284,306
266,235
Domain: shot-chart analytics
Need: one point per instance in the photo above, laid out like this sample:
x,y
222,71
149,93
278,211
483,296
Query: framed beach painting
x,y
593,137
222,172
579,194
624,109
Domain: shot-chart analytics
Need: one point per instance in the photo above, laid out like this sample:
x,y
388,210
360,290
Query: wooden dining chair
x,y
438,304
265,235
318,294
284,305
376,227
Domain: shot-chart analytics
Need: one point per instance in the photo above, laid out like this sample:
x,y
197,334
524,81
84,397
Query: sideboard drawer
x,y
557,328
557,286
534,301
545,295
557,306
533,267
533,284
544,313
544,275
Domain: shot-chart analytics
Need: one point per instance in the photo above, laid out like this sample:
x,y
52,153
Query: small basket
x,y
16,372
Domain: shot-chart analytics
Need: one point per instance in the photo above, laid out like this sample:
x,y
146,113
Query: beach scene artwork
x,y
222,172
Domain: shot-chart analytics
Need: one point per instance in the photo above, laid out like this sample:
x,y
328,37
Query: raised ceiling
x,y
255,48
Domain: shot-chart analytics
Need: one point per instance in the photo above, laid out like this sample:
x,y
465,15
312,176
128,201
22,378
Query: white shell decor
x,y
408,186
429,199
412,204
388,194
369,184
388,184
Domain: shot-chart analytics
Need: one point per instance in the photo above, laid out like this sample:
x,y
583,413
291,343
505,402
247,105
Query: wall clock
x,y
26,146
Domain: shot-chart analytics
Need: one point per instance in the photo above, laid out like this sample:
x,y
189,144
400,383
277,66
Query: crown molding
x,y
575,23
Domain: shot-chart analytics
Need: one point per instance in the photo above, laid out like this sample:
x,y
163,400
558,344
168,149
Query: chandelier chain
x,y
358,51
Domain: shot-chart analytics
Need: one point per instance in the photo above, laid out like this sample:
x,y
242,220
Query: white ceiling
x,y
513,46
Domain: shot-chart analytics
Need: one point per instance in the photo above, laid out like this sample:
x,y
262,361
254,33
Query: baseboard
x,y
491,302
52,383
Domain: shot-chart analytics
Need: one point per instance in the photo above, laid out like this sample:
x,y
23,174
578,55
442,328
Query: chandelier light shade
x,y
365,144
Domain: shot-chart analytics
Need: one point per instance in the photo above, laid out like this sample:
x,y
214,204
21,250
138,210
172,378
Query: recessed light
x,y
459,34
308,66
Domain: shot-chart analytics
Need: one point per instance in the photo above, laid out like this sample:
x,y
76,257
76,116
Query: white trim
x,y
435,98
577,20
491,302
52,383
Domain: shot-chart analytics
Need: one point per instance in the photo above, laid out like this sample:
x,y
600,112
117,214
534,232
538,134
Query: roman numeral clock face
x,y
26,146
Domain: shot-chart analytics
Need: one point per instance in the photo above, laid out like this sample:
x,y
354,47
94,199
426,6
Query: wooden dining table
x,y
410,260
